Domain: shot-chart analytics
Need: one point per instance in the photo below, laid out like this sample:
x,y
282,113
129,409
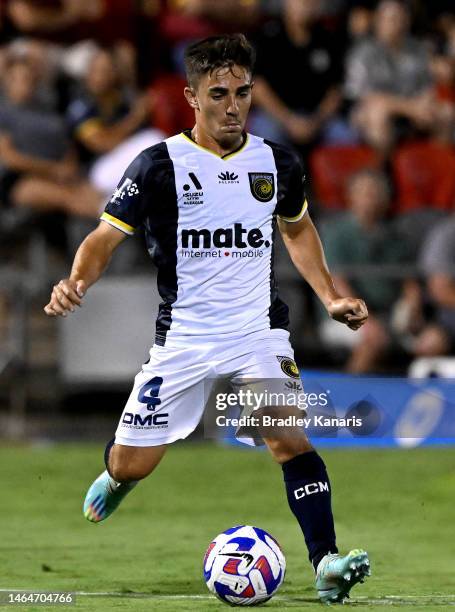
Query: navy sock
x,y
107,450
308,491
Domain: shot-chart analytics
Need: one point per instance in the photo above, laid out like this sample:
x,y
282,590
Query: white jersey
x,y
209,224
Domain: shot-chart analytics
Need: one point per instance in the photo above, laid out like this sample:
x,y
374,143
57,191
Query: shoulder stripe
x,y
121,225
297,217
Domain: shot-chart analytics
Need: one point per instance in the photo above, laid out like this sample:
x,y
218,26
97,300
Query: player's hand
x,y
65,297
350,311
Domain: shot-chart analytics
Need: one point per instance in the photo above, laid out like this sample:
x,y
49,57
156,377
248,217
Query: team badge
x,y
288,366
262,185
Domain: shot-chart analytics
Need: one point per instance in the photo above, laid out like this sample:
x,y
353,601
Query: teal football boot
x,y
104,496
336,575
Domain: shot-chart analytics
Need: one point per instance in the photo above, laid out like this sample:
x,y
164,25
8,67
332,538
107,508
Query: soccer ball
x,y
244,566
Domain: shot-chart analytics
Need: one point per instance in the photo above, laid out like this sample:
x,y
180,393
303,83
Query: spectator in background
x,y
363,237
68,21
37,55
359,20
388,78
437,263
130,26
184,21
37,166
105,115
187,20
443,72
43,18
296,102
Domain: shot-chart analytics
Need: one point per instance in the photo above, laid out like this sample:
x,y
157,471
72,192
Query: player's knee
x,y
285,449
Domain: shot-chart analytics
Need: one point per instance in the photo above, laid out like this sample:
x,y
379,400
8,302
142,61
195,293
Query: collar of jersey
x,y
223,157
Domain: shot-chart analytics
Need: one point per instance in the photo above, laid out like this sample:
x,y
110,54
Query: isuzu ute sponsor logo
x,y
193,198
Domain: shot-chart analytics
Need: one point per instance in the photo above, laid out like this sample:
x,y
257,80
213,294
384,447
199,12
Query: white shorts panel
x,y
169,394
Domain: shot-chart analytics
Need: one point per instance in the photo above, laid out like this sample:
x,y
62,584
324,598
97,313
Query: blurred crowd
x,y
365,90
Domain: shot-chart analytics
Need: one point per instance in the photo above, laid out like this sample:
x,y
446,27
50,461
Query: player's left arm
x,y
305,249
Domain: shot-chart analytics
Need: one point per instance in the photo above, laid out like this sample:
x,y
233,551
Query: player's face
x,y
222,100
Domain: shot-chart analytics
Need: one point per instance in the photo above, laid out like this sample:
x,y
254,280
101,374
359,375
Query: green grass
x,y
398,504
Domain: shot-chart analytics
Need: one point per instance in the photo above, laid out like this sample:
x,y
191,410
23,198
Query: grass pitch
x,y
398,504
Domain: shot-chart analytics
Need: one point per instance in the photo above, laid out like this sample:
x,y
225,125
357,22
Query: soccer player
x,y
209,200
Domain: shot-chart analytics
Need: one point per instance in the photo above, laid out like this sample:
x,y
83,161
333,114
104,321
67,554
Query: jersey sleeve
x,y
126,209
292,203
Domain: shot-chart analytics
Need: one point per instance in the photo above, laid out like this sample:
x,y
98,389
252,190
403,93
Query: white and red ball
x,y
244,566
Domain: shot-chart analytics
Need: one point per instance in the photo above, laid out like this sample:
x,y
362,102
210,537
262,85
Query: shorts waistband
x,y
182,340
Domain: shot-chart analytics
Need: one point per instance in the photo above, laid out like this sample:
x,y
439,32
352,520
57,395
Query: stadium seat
x,y
331,167
171,112
425,176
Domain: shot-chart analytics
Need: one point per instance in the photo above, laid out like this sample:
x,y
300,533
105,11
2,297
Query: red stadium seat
x,y
331,167
171,112
425,176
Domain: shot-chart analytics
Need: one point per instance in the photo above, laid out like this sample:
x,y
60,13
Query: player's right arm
x,y
90,261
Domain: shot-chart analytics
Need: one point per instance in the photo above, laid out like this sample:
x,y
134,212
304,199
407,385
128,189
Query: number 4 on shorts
x,y
153,388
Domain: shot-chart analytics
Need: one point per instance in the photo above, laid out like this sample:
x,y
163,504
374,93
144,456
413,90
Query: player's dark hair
x,y
207,55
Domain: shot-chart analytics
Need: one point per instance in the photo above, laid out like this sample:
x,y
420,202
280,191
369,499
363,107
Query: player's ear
x,y
190,96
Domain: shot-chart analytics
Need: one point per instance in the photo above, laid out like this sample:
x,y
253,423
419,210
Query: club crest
x,y
262,185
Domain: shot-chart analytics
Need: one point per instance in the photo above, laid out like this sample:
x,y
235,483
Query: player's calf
x,y
132,463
